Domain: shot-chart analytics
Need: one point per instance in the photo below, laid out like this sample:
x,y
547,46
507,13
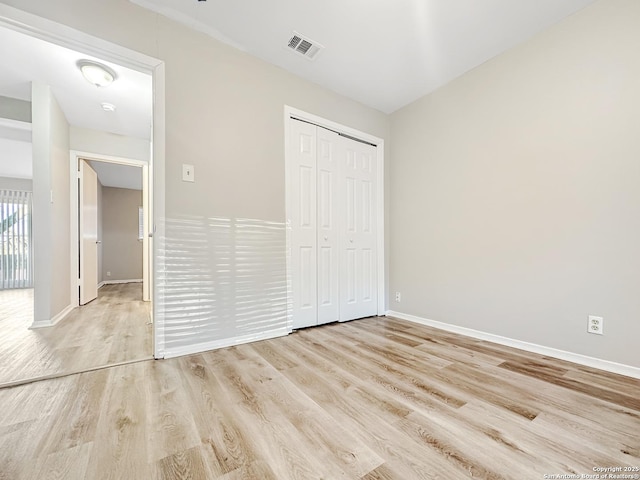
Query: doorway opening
x,y
112,224
55,282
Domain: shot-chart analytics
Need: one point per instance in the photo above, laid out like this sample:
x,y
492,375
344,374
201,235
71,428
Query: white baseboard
x,y
40,324
227,342
50,323
101,284
115,282
600,364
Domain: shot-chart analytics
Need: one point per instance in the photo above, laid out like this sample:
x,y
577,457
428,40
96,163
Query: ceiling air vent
x,y
304,46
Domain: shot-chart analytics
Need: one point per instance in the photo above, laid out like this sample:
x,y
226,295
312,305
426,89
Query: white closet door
x,y
303,224
358,292
328,215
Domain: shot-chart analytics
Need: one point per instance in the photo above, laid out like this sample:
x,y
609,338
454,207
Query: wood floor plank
x,y
556,376
42,400
534,449
372,399
318,428
16,451
610,381
440,352
416,376
113,328
277,443
121,440
271,394
184,465
370,388
65,464
257,470
76,423
589,445
485,434
405,457
542,395
441,445
170,427
476,431
226,444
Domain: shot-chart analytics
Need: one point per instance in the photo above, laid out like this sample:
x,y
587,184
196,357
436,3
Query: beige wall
x,y
224,115
224,108
515,199
104,143
121,249
513,190
51,206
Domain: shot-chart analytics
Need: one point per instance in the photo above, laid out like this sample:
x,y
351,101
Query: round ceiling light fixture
x,y
96,73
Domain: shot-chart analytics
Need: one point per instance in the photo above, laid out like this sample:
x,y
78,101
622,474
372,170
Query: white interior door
x,y
88,233
303,220
328,213
358,269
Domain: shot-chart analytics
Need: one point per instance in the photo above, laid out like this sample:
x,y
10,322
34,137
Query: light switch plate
x,y
188,173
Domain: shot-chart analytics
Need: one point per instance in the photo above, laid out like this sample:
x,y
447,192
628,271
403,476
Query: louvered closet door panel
x,y
357,187
303,172
328,213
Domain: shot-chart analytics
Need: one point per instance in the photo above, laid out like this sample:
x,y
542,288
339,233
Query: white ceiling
x,y
24,59
384,54
119,176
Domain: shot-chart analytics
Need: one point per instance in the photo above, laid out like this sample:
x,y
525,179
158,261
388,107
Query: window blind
x,y
16,258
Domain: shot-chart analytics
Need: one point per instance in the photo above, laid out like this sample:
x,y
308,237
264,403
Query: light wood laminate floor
x,y
111,329
370,399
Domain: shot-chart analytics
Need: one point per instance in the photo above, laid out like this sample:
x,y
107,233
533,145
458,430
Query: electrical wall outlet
x,y
596,325
398,297
108,274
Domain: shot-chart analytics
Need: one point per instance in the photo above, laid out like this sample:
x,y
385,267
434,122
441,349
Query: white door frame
x,y
379,143
59,34
74,157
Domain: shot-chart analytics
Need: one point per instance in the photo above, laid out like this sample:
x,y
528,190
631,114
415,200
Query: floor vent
x,y
304,46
